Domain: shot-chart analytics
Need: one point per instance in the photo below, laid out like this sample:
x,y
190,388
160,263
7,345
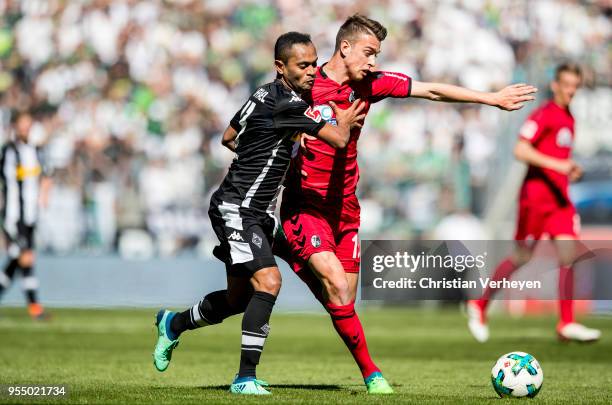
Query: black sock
x,y
7,275
211,310
255,329
30,284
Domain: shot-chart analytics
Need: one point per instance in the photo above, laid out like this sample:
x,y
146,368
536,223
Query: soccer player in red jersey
x,y
320,213
545,144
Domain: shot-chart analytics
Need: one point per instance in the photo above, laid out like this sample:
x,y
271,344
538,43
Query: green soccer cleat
x,y
249,386
164,347
376,384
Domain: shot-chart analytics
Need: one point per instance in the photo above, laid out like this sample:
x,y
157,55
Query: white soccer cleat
x,y
578,333
476,322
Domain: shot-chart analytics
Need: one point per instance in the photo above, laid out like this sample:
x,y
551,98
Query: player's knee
x,y
522,256
268,280
26,259
566,251
338,290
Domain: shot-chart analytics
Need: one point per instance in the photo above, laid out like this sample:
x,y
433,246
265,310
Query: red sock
x,y
349,328
503,270
566,295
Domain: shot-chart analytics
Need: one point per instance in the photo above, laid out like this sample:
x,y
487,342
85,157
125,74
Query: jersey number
x,y
244,114
356,250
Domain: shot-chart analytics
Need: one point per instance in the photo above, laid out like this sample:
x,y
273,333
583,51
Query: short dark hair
x,y
285,42
359,24
570,67
17,114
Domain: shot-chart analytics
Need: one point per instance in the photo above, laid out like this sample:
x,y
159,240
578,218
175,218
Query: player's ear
x,y
554,86
279,65
345,47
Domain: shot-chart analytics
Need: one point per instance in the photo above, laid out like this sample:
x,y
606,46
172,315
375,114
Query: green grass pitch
x,y
104,356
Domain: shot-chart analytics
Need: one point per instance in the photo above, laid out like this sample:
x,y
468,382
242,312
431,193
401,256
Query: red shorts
x,y
310,229
535,221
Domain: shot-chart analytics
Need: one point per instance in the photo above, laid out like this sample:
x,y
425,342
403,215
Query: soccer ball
x,y
517,374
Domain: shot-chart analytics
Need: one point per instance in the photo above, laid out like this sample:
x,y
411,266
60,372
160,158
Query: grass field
x,y
104,356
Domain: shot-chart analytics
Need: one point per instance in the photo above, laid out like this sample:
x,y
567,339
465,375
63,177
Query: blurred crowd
x,y
131,97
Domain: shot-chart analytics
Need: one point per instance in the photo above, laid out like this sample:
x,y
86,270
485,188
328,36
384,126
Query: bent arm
x,y
229,138
525,152
336,136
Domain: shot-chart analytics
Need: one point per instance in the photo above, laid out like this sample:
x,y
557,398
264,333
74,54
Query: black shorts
x,y
24,240
245,245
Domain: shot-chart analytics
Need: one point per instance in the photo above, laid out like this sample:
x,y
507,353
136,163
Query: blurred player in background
x,y
545,210
24,188
320,212
262,134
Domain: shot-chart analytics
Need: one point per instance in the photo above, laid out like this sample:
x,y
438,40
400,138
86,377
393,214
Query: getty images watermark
x,y
448,270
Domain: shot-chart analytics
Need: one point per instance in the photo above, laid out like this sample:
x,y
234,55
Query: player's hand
x,y
351,116
305,137
567,166
576,173
513,97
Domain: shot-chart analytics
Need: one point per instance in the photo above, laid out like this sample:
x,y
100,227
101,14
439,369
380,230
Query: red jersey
x,y
334,173
550,129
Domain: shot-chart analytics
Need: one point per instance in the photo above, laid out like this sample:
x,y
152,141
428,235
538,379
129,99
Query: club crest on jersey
x,y
257,240
326,113
564,138
315,241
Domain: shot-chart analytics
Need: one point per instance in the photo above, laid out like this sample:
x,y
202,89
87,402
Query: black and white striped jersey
x,y
267,125
21,171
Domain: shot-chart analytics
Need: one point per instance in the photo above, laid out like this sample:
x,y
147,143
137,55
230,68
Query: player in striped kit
x,y
24,187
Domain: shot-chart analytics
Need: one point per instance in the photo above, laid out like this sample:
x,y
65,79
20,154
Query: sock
x,y
503,270
255,330
349,328
566,295
211,310
30,285
6,277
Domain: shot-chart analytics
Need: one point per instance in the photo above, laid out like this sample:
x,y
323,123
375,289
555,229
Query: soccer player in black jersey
x,y
25,186
262,134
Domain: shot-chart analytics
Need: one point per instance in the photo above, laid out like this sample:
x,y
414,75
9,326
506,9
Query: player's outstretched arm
x,y
509,98
526,152
338,136
229,138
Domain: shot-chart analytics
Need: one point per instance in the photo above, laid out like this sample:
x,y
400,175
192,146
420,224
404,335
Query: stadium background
x,y
131,99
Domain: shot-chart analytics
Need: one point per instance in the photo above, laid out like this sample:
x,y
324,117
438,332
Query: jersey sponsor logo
x,y
23,172
529,129
326,113
257,241
261,95
235,236
564,138
313,115
315,241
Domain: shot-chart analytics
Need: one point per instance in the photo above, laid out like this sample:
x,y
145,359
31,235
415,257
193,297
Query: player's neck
x,y
560,104
287,85
336,70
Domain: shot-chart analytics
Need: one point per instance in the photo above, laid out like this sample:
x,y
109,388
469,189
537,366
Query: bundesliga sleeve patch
x,y
529,129
313,115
